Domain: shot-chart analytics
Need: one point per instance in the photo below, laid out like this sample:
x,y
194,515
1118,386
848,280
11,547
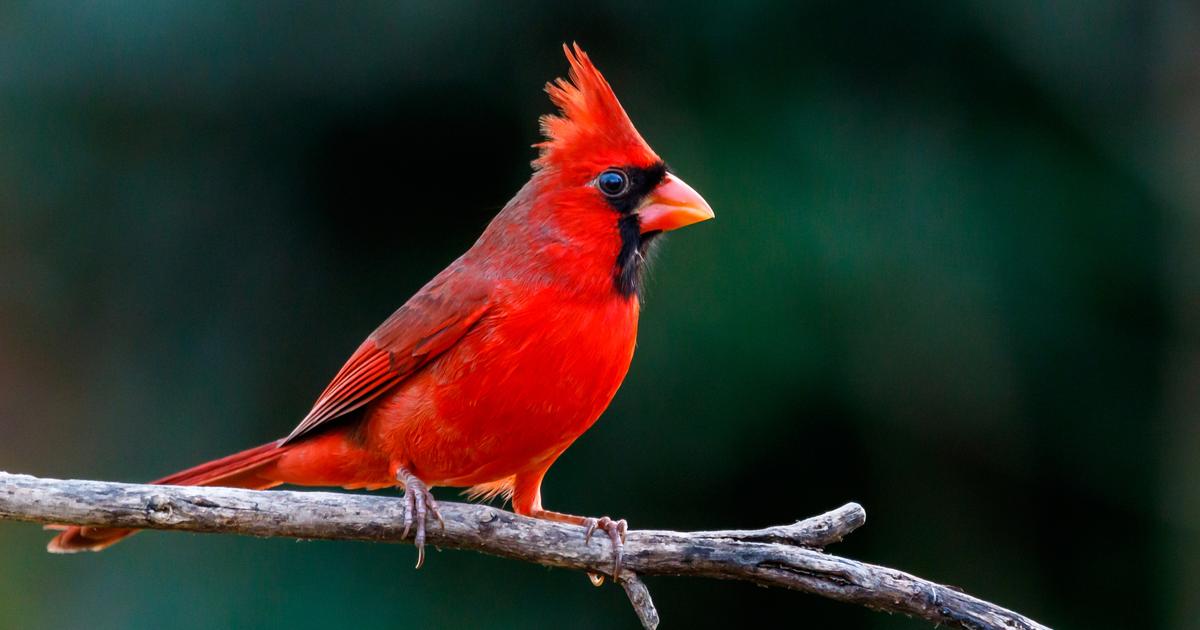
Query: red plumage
x,y
486,375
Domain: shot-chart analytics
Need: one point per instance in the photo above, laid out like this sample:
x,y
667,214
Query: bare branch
x,y
639,596
786,556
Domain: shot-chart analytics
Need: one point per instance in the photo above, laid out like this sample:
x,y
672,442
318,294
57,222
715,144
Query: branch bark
x,y
787,556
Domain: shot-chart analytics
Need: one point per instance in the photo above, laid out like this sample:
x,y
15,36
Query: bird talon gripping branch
x,y
419,505
616,531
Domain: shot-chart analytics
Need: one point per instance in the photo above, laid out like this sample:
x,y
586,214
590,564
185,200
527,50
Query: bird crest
x,y
591,129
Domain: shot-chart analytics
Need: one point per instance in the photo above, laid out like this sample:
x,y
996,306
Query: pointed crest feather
x,y
591,122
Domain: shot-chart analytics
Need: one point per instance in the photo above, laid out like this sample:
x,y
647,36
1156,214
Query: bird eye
x,y
613,183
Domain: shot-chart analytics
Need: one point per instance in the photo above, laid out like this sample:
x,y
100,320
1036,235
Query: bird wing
x,y
430,323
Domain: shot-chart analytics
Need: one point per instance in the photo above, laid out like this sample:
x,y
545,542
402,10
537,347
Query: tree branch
x,y
785,556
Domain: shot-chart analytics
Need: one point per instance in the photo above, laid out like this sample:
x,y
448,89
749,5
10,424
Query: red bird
x,y
486,375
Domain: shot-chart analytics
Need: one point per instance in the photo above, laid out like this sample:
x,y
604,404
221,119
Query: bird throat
x,y
633,257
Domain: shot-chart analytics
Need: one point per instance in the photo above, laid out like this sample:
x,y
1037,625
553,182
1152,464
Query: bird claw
x,y
418,501
616,531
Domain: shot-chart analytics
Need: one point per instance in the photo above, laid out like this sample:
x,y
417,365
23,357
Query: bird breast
x,y
531,377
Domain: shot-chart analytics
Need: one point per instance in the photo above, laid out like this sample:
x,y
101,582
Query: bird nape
x,y
485,376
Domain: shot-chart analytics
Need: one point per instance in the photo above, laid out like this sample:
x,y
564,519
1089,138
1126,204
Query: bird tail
x,y
240,470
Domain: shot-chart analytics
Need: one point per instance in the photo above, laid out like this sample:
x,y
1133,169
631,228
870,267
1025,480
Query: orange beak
x,y
672,205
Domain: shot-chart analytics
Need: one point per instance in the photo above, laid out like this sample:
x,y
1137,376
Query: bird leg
x,y
419,501
616,531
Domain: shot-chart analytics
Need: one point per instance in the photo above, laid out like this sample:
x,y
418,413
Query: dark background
x,y
954,276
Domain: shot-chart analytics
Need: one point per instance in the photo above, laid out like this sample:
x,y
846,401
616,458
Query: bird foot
x,y
418,503
616,531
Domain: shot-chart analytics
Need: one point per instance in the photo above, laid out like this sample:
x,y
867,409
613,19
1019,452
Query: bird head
x,y
604,175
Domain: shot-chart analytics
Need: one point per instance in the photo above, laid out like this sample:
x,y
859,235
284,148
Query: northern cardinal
x,y
486,375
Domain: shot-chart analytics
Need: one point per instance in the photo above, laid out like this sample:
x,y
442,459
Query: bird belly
x,y
509,397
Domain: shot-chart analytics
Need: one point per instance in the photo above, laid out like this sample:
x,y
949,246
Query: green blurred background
x,y
954,276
